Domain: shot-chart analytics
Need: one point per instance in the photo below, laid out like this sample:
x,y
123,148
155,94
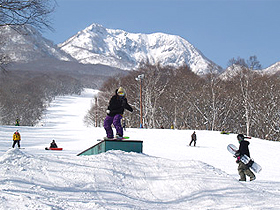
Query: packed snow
x,y
169,174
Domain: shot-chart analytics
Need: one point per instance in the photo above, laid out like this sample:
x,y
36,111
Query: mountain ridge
x,y
114,48
97,44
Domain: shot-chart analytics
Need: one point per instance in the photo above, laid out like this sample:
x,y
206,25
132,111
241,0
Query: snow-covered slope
x,y
99,45
24,44
168,175
230,72
273,69
235,70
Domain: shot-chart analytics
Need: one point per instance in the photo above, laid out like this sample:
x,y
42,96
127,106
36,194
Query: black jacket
x,y
194,136
117,105
53,145
243,148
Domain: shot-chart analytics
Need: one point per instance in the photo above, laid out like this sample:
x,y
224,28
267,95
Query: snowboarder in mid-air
x,y
16,139
193,136
115,111
243,169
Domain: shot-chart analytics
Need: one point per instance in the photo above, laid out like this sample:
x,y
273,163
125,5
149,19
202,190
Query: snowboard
x,y
48,148
115,139
245,159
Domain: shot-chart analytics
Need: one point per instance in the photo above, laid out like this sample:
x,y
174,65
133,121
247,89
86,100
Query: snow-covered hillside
x,y
24,44
273,69
168,175
99,45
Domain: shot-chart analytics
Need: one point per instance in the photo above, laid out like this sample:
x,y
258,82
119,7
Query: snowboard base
x,y
245,159
114,139
48,148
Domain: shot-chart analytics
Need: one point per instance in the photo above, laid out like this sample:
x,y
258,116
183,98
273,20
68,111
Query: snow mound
x,y
114,180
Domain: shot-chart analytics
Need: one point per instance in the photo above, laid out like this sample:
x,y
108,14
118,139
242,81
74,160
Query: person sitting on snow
x,y
53,144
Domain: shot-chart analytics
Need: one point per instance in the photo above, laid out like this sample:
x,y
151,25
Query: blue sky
x,y
220,29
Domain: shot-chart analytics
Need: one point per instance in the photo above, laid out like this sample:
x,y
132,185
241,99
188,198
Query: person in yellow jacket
x,y
16,139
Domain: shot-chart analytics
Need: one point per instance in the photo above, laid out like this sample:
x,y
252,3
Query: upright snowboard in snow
x,y
245,159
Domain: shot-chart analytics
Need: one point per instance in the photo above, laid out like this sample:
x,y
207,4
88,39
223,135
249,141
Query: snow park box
x,y
105,145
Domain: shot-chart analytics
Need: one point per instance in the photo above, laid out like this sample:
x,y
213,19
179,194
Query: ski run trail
x,y
169,174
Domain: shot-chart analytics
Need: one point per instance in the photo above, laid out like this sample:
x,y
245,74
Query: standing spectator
x,y
124,124
193,136
16,139
17,122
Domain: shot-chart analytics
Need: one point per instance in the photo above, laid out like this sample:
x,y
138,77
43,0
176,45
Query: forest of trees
x,y
247,102
26,95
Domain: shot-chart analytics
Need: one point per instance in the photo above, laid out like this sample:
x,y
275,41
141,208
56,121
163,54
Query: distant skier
x,y
193,136
17,122
53,144
115,110
124,124
243,169
16,139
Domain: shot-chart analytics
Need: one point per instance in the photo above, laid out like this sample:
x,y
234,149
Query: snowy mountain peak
x,y
114,47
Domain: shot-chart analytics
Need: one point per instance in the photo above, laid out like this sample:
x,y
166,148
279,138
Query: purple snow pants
x,y
116,121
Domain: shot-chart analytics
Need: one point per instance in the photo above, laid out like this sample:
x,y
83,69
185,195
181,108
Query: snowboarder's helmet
x,y
121,91
240,137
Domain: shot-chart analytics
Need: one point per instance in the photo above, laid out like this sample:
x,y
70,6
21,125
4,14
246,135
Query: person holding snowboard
x,y
243,169
193,136
118,103
16,139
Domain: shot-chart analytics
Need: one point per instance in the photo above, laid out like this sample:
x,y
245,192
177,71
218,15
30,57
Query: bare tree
x,y
155,84
32,12
246,78
4,58
253,63
16,13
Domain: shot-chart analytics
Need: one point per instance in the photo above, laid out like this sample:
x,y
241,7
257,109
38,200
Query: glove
x,y
237,154
108,111
238,159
